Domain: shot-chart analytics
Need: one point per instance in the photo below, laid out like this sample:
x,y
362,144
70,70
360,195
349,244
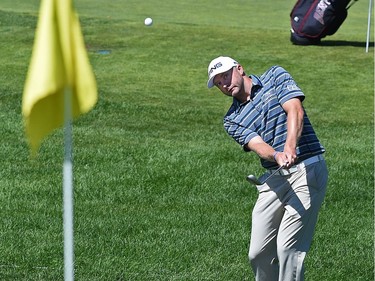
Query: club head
x,y
253,179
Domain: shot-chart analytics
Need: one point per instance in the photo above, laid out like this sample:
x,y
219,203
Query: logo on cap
x,y
216,66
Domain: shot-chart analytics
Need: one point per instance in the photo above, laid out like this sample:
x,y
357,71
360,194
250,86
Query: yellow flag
x,y
59,62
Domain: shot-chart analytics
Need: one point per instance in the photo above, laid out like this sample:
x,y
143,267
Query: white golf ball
x,y
148,21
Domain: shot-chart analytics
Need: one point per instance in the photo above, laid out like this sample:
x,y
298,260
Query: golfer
x,y
267,117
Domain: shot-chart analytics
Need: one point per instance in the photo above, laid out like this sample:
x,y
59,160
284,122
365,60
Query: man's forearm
x,y
295,115
264,150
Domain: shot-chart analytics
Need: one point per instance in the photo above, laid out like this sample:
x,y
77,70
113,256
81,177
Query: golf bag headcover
x,y
312,20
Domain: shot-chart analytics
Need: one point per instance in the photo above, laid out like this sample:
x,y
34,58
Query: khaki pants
x,y
283,222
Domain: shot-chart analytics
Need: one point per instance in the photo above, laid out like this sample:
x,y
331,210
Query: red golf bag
x,y
312,20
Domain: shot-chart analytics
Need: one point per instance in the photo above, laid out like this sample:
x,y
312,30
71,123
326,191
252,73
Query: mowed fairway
x,y
159,188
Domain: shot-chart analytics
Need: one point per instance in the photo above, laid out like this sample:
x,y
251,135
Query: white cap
x,y
219,65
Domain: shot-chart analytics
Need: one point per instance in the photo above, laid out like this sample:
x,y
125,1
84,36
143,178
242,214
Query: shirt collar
x,y
256,80
257,84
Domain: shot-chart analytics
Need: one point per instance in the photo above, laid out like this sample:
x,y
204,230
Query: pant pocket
x,y
317,175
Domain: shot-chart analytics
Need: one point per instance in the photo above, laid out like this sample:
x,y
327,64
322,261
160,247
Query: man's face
x,y
230,82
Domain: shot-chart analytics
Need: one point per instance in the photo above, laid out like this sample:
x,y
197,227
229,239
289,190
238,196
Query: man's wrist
x,y
274,155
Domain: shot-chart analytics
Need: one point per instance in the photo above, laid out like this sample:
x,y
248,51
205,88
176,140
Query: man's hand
x,y
284,159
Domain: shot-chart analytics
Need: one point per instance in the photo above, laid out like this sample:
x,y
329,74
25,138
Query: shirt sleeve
x,y
242,135
285,86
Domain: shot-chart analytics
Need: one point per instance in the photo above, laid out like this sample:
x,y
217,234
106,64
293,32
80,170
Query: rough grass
x,y
160,190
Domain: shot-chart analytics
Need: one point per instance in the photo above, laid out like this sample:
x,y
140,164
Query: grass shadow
x,y
335,43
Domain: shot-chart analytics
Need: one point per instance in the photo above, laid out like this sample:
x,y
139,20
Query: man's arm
x,y
261,148
295,113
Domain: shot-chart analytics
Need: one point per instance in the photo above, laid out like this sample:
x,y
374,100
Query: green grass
x,y
159,187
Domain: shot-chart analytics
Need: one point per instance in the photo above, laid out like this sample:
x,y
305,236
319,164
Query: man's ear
x,y
241,70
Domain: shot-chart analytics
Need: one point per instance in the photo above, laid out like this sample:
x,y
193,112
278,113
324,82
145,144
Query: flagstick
x,y
68,190
368,25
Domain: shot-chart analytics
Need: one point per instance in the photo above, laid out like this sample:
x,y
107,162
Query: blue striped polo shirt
x,y
264,116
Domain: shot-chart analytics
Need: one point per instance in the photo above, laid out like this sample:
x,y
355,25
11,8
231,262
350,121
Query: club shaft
x,y
256,181
273,173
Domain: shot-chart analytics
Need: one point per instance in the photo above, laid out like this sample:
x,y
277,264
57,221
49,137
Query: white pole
x,y
68,190
368,25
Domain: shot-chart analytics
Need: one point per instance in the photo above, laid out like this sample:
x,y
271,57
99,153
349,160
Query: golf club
x,y
254,180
